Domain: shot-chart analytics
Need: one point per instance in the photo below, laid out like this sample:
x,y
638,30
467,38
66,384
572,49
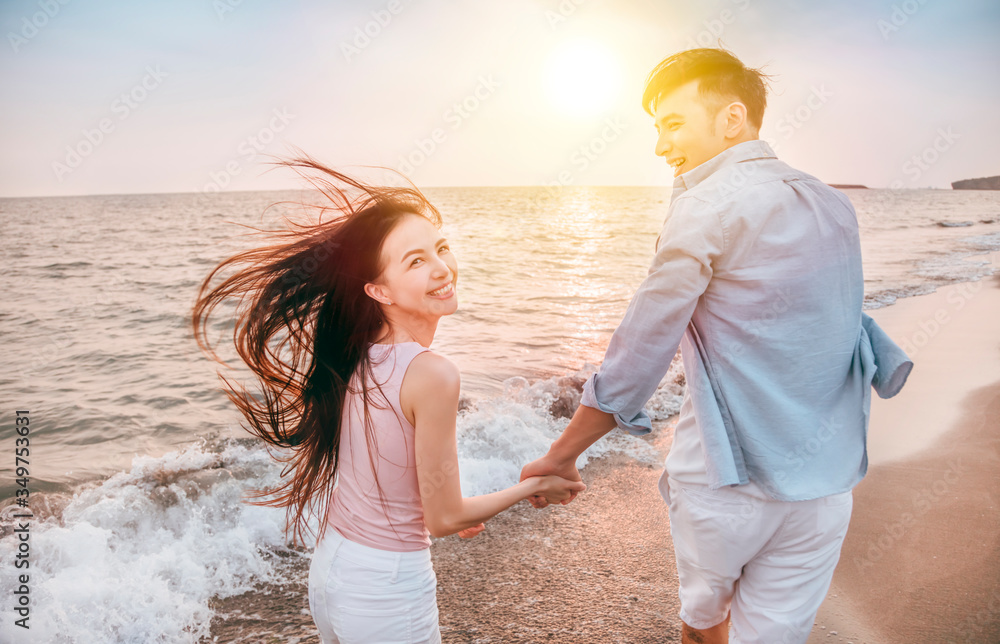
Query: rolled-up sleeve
x,y
641,348
892,364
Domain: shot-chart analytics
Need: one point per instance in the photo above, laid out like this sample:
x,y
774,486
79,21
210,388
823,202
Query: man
x,y
757,277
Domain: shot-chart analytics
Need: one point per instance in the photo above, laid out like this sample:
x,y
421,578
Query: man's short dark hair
x,y
722,77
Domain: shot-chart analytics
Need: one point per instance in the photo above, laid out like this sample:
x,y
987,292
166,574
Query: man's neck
x,y
743,138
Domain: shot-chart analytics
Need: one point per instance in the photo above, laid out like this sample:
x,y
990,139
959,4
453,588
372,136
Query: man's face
x,y
688,135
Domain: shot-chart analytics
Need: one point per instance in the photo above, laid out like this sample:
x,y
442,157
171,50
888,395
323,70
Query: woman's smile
x,y
445,292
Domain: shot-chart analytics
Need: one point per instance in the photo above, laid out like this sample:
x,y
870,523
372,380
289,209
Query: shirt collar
x,y
746,151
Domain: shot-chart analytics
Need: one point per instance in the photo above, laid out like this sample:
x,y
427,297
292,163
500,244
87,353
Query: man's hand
x,y
586,426
548,465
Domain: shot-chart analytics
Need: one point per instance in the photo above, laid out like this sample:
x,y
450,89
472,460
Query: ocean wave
x,y
138,557
60,266
968,261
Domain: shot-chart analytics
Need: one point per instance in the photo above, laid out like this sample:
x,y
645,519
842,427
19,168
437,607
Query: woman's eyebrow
x,y
420,250
411,252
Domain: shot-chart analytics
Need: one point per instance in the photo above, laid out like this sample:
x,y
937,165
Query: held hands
x,y
556,489
548,488
545,489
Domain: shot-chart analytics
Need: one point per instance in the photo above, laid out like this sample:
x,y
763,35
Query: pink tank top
x,y
356,511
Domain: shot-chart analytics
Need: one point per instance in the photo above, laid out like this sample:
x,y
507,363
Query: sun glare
x,y
582,78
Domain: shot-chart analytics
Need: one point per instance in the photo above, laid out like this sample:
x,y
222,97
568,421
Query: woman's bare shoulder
x,y
430,371
431,385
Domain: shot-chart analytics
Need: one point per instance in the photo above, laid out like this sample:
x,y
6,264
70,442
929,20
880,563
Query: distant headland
x,y
983,183
847,186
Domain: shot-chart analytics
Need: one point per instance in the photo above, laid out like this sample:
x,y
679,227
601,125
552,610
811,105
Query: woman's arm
x,y
429,399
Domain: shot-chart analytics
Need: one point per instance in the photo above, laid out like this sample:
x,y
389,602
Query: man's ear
x,y
377,293
736,119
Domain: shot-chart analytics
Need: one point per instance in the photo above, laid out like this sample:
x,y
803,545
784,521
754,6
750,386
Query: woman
x,y
337,327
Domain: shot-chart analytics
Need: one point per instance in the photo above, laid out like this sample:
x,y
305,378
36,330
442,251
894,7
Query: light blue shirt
x,y
757,276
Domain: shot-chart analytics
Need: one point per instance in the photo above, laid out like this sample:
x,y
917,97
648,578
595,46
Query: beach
x,y
598,570
181,191
921,562
136,489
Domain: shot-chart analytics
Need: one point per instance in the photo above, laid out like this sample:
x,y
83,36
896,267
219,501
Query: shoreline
x,y
599,572
948,334
930,574
921,561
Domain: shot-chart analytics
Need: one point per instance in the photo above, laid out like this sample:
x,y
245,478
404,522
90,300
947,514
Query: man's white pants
x,y
767,562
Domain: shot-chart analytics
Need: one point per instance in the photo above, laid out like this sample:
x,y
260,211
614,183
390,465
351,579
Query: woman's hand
x,y
429,400
468,533
556,489
550,465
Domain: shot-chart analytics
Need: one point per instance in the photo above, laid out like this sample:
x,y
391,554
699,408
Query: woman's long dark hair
x,y
305,325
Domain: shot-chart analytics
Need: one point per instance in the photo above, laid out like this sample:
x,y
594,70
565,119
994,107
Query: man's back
x,y
778,325
757,277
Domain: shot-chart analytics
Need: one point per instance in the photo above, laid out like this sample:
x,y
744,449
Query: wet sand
x,y
921,562
598,570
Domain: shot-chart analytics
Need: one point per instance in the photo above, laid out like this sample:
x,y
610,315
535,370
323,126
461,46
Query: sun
x,y
582,78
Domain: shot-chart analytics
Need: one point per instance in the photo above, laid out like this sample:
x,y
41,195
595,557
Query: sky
x,y
190,95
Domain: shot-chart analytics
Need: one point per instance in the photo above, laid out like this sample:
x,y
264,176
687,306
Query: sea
x,y
137,460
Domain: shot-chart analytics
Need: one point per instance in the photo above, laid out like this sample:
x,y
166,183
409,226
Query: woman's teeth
x,y
444,290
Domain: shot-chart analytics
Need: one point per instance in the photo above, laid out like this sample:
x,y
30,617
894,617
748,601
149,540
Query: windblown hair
x,y
721,75
305,326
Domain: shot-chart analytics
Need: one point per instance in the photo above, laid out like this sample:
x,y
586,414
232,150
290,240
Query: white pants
x,y
362,595
767,563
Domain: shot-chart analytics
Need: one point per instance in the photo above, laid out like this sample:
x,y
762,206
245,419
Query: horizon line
x,y
307,189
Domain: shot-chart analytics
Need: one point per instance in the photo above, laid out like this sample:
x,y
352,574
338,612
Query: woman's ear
x,y
377,293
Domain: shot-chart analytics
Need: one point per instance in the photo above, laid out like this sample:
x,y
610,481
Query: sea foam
x,y
137,557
